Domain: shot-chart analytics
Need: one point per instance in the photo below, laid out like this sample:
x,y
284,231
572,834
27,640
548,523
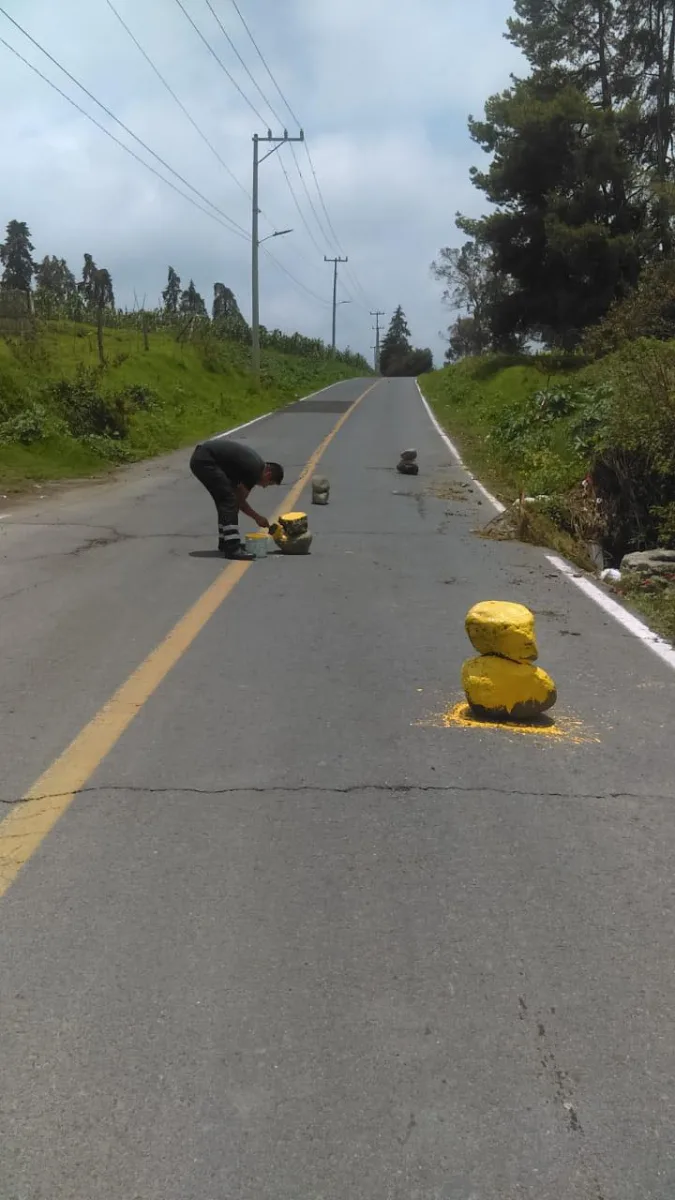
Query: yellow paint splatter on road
x,y
564,728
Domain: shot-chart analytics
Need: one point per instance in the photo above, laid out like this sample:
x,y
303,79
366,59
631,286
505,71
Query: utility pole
x,y
335,262
376,347
256,241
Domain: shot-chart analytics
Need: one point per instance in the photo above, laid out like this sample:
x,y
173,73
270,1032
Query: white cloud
x,y
383,89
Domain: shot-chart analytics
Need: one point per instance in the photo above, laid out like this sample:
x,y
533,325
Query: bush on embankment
x,y
63,415
597,438
576,431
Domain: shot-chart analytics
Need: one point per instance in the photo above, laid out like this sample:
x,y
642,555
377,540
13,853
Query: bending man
x,y
229,471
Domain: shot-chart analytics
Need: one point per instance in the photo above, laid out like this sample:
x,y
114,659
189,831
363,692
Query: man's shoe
x,y
238,555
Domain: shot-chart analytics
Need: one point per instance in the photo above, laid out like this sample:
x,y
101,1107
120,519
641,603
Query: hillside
x,y
62,415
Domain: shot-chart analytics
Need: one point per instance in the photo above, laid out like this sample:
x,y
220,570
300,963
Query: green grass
x,y
196,389
656,607
476,399
472,396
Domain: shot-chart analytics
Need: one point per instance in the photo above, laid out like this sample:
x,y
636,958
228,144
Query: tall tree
x,y
192,303
55,286
225,307
564,238
467,339
473,287
16,258
171,293
395,344
584,38
97,289
397,356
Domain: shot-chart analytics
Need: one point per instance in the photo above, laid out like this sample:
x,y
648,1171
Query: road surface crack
x,y
319,790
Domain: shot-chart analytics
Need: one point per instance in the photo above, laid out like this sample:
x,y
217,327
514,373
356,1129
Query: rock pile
x,y
291,534
502,684
407,464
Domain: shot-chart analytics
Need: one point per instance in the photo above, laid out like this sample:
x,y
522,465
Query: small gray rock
x,y
320,490
408,455
650,562
405,467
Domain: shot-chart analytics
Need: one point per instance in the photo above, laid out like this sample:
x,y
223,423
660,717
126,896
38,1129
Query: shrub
x,y
31,424
86,411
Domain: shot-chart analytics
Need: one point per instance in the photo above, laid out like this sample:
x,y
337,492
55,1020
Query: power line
x,y
350,274
280,265
307,193
264,63
117,141
220,62
323,203
36,71
243,63
177,98
117,121
297,204
352,277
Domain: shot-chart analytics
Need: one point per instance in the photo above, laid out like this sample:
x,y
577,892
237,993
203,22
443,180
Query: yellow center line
x,y
29,822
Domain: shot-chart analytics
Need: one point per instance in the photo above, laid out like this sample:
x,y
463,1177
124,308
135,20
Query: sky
x,y
383,89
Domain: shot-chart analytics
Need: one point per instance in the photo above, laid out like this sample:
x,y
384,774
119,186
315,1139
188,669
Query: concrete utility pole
x,y
376,347
256,241
335,262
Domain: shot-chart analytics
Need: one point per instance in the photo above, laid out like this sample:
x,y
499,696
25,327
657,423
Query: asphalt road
x,y
297,939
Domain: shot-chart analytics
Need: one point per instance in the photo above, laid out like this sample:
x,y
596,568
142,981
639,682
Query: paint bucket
x,y
257,544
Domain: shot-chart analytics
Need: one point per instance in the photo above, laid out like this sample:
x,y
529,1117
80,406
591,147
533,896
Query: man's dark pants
x,y
205,468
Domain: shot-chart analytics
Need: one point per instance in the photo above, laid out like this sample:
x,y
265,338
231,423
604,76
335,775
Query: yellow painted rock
x,y
294,523
501,690
500,627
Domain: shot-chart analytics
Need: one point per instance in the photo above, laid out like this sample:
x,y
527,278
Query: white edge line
x,y
496,504
246,425
620,614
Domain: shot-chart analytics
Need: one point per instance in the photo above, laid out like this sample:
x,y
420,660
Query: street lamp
x,y
277,233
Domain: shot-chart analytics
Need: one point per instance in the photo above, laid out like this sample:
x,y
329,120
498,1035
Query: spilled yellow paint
x,y
32,818
564,728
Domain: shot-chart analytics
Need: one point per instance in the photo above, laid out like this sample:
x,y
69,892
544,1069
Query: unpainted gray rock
x,y
650,562
320,490
408,455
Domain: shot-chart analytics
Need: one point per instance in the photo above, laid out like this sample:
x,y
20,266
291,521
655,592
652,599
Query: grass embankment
x,y
62,416
540,425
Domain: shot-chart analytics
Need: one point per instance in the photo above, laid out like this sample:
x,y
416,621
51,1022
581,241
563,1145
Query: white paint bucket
x,y
257,544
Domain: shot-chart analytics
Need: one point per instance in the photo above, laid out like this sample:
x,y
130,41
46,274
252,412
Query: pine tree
x,y
16,258
191,302
97,290
171,293
395,344
55,287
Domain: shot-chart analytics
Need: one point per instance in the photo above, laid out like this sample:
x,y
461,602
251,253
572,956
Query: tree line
x,y
48,290
581,181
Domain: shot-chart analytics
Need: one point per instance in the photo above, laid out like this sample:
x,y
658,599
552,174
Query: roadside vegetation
x,y
560,384
85,386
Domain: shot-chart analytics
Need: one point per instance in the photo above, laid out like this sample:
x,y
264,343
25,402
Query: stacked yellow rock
x,y
502,684
291,534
